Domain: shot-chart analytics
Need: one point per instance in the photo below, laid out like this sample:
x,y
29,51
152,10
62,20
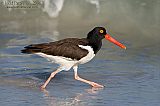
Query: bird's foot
x,y
42,87
96,85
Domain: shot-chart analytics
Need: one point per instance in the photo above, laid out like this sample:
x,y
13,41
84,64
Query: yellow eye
x,y
101,31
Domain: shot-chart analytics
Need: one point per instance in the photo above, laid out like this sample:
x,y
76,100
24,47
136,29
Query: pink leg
x,y
93,84
51,76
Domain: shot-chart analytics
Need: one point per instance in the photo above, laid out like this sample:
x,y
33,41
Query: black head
x,y
97,34
95,38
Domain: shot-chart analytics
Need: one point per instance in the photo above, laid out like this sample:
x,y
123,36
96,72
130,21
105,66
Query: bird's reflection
x,y
94,90
76,100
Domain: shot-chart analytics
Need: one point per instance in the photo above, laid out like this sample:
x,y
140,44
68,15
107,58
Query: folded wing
x,y
66,48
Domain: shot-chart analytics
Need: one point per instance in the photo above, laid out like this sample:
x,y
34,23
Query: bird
x,y
70,52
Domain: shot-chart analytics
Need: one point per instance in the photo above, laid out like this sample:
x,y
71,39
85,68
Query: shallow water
x,y
131,77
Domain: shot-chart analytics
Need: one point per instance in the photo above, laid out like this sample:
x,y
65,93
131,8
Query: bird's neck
x,y
96,45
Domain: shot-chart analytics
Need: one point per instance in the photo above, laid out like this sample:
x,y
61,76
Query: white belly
x,y
68,63
65,63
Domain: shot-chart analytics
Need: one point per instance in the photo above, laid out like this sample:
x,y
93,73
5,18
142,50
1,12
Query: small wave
x,y
53,7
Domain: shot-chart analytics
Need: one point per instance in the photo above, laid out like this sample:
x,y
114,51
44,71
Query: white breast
x,y
89,56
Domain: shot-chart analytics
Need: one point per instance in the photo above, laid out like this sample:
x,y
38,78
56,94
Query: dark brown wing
x,y
66,48
75,41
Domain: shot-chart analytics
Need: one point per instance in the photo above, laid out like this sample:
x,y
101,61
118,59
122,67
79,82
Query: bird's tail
x,y
31,49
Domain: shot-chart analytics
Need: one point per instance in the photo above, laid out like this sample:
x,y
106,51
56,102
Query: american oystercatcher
x,y
71,52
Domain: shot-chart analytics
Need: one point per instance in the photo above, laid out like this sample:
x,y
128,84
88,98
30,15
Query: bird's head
x,y
99,33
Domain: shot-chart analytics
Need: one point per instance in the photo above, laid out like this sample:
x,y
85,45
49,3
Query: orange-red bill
x,y
108,37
